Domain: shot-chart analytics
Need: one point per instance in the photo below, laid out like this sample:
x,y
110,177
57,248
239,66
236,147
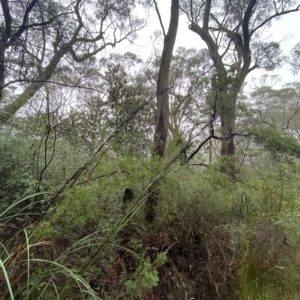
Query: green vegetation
x,y
222,239
160,179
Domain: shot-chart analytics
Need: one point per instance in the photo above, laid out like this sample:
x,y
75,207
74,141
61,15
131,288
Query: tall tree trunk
x,y
227,117
5,35
227,112
227,128
162,99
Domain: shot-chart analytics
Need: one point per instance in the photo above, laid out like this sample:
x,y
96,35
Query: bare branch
x,y
159,17
274,16
57,83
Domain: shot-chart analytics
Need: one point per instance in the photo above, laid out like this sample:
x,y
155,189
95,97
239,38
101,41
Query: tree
x,y
275,118
232,31
269,117
162,102
295,58
278,109
36,35
162,97
127,103
188,89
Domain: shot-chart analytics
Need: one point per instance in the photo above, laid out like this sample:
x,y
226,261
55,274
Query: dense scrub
x,y
212,239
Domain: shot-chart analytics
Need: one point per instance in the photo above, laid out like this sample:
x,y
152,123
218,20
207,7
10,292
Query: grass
x,y
230,237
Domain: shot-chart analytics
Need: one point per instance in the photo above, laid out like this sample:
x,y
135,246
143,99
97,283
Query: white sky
x,y
285,31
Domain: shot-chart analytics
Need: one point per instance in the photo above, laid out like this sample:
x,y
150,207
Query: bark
x,y
227,118
9,110
6,32
228,87
225,101
162,101
228,115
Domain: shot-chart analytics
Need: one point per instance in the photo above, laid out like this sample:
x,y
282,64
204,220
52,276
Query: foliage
x,y
36,277
96,204
241,224
145,275
16,166
268,56
248,231
295,58
277,142
127,103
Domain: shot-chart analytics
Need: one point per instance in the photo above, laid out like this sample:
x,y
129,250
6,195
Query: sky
x,y
286,31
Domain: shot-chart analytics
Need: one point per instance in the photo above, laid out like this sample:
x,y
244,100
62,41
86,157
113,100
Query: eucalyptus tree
x,y
162,103
162,114
295,58
277,108
188,87
39,38
232,31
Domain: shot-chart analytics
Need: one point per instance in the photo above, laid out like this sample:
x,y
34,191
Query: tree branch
x,y
212,46
29,92
245,24
23,27
8,19
206,15
274,16
159,17
246,35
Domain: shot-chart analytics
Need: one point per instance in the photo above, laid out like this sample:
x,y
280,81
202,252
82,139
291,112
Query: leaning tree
x,y
38,38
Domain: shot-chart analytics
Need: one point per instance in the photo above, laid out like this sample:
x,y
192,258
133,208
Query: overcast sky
x,y
285,31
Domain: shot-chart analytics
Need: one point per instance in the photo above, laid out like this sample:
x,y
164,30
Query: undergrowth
x,y
212,238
